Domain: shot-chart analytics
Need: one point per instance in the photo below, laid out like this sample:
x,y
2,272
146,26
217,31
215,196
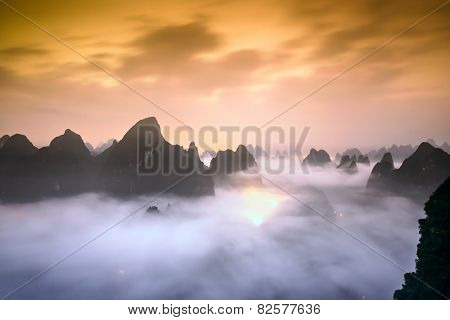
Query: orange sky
x,y
236,63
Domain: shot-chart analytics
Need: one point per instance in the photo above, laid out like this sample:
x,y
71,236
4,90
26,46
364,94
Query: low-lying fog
x,y
256,243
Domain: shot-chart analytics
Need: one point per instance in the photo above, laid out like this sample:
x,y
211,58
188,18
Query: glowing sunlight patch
x,y
259,206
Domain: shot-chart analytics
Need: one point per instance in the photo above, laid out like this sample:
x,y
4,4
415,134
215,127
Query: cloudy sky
x,y
227,63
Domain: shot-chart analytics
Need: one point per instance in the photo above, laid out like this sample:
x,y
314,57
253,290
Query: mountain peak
x,y
148,121
418,175
70,142
19,145
425,147
387,157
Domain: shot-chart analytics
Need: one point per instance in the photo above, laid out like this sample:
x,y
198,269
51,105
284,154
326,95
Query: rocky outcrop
x,y
317,158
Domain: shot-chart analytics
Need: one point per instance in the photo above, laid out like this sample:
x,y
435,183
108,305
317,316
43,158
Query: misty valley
x,y
102,225
255,243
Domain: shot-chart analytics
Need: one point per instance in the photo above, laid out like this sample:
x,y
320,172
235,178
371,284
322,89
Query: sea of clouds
x,y
249,243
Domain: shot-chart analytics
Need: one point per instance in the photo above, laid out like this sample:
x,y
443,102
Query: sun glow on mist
x,y
260,205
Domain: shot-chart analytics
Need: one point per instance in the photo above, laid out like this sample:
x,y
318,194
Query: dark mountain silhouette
x,y
427,167
70,144
381,171
229,161
317,158
227,168
419,174
3,140
142,162
433,252
16,146
63,168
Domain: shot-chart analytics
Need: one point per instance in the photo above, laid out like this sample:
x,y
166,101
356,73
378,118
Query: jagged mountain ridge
x,y
66,167
418,175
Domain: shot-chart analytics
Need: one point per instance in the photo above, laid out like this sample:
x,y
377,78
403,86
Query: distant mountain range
x,y
141,162
101,147
420,173
399,153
